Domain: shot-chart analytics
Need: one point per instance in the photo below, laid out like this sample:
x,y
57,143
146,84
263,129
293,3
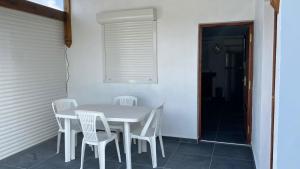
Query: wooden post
x,y
67,24
276,5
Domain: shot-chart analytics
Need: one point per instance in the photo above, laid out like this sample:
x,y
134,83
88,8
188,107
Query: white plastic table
x,y
113,113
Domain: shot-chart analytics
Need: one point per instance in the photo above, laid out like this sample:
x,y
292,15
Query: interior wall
x,y
177,55
216,62
262,83
287,123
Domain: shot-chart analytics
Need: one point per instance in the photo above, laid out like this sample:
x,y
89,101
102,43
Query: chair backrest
x,y
126,100
61,105
88,121
153,121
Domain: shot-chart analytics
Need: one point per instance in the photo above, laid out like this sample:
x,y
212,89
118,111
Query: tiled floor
x,y
179,155
223,122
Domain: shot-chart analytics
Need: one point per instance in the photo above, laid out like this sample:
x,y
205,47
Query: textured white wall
x,y
177,55
262,83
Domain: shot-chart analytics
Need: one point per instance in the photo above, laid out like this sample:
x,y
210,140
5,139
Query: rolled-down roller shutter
x,y
130,46
32,74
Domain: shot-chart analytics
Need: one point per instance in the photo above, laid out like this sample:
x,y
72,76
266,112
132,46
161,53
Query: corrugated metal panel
x,y
130,52
32,74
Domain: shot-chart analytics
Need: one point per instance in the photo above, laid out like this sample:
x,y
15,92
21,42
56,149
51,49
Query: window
x,y
130,52
56,4
130,46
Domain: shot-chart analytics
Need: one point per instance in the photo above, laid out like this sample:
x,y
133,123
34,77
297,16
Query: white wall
x,y
177,55
262,83
287,122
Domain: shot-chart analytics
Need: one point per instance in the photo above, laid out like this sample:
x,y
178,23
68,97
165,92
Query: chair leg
x,y
153,151
58,142
124,143
96,152
139,146
118,149
118,134
76,136
82,154
101,150
134,141
162,146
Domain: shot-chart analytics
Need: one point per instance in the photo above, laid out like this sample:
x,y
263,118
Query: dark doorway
x,y
225,83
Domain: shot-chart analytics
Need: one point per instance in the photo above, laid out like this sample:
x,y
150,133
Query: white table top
x,y
113,113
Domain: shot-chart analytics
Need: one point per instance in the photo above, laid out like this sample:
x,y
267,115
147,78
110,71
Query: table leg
x,y
127,145
67,140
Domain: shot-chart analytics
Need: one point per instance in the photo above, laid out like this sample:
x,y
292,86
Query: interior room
x,y
224,75
142,84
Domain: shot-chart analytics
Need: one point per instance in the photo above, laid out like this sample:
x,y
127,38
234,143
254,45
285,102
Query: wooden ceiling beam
x,y
33,8
37,9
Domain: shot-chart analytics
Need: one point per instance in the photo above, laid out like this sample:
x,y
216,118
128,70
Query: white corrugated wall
x,y
32,74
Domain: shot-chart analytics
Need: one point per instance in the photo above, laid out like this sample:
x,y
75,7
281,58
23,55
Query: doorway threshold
x,y
228,143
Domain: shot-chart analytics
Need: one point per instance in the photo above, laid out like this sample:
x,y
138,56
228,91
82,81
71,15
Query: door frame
x,y
250,25
273,89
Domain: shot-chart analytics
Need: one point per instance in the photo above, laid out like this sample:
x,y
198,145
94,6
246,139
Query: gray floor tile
x,y
231,137
179,161
210,135
178,156
111,151
225,163
137,166
7,167
94,164
233,151
204,149
32,156
145,158
57,162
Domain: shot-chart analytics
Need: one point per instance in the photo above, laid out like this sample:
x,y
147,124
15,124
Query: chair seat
x,y
116,126
120,126
136,133
102,136
75,125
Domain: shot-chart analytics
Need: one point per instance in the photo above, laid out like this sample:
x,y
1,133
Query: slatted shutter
x,y
32,74
130,52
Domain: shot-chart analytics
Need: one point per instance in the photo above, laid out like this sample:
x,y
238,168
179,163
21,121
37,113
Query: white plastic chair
x,y
123,101
126,100
92,137
61,105
149,132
